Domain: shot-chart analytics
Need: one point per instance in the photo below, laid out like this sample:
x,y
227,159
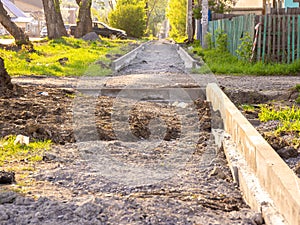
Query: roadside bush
x,y
221,41
244,49
129,17
177,19
209,42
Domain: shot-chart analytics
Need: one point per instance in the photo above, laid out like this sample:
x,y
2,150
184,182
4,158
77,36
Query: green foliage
x,y
220,6
245,47
81,55
129,17
176,13
208,40
10,152
221,41
156,13
297,87
289,118
248,108
226,63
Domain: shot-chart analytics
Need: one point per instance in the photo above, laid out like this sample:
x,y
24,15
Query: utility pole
x,y
204,22
189,21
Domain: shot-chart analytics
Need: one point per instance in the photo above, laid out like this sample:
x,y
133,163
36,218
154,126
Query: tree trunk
x,y
12,28
189,24
204,22
149,11
84,24
5,81
55,23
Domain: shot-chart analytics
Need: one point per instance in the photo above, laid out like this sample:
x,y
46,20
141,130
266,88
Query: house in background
x,y
35,9
291,3
257,7
17,15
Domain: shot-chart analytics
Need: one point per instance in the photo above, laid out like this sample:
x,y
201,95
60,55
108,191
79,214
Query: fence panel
x,y
278,35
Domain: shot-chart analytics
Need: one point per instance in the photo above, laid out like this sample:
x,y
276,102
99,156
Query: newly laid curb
x,y
127,58
281,185
189,62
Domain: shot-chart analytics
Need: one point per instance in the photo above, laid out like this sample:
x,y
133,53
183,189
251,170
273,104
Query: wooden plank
x,y
230,35
259,39
283,41
293,38
235,31
269,33
274,38
264,38
279,27
288,39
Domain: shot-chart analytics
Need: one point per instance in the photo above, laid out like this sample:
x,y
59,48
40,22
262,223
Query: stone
x,y
7,197
7,177
297,169
62,61
287,152
182,105
48,157
217,172
3,214
92,36
22,140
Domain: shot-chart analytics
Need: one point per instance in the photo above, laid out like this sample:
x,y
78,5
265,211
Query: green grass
x,y
225,63
248,108
10,152
297,88
289,118
81,56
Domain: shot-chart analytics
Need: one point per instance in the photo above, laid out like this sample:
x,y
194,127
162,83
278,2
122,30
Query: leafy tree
x,y
176,13
13,29
156,13
216,6
54,21
129,15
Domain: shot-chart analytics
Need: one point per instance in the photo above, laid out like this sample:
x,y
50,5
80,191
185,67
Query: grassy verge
x,y
225,63
11,152
21,159
78,57
289,118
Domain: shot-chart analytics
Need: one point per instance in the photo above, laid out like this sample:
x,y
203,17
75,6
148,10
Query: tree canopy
x,y
176,13
129,15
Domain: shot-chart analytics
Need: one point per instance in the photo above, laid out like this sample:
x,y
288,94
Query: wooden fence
x,y
278,37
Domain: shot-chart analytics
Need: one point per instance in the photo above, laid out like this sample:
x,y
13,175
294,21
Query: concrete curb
x,y
127,58
272,174
189,62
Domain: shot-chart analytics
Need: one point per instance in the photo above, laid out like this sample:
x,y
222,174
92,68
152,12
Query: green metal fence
x,y
278,37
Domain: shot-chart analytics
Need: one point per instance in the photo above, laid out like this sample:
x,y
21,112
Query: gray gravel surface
x,y
73,186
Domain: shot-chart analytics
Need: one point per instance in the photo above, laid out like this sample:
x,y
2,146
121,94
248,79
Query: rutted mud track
x,y
73,187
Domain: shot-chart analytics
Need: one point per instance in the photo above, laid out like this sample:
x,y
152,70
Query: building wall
x,y
249,4
291,4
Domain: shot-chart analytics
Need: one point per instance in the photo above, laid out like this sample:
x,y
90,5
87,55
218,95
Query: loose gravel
x,y
128,179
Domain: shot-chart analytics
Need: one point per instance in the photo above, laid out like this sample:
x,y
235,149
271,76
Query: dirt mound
x,y
40,113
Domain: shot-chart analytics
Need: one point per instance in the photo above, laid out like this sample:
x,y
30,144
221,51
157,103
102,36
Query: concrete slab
x,y
272,173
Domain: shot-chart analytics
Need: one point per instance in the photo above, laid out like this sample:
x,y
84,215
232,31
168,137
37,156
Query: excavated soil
x,y
66,188
117,174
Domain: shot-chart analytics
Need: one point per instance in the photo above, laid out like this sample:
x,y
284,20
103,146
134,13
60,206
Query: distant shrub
x,y
131,18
